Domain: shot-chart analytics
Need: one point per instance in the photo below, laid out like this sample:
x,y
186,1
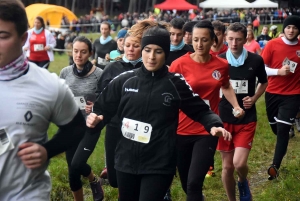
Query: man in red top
x,y
220,47
281,57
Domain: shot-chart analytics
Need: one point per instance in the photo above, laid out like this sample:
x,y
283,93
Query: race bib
x,y
102,61
239,86
136,130
38,47
5,142
80,102
291,64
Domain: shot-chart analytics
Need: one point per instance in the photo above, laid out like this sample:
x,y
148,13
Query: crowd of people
x,y
169,94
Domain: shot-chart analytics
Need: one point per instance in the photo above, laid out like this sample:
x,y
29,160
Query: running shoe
x,y
297,122
168,196
103,174
97,190
292,132
245,193
210,173
273,172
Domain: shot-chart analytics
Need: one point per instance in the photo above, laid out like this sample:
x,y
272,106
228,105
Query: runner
x,y
283,92
103,46
39,44
130,60
113,55
187,30
219,30
82,78
206,74
31,98
244,68
177,46
263,38
251,45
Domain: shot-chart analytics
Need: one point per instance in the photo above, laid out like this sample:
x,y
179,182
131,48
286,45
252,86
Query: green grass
x,y
285,188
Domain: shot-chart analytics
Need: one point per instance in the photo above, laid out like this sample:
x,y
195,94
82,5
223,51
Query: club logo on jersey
x,y
167,99
28,116
298,53
216,74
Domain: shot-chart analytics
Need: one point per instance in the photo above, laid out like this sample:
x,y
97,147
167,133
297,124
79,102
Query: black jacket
x,y
263,37
109,73
154,98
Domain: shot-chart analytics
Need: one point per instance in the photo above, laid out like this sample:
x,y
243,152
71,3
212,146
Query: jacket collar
x,y
159,73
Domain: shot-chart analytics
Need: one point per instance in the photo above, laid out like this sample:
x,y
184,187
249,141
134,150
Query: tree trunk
x,y
147,6
66,3
73,6
99,3
111,8
47,1
130,6
93,4
153,3
139,6
104,7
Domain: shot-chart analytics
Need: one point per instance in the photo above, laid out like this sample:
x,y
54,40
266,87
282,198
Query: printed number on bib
x,y
38,47
80,102
239,86
136,130
5,142
291,64
102,61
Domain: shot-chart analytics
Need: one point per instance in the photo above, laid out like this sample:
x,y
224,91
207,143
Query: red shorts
x,y
242,136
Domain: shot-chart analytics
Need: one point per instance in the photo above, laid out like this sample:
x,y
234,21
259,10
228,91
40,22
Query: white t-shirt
x,y
27,105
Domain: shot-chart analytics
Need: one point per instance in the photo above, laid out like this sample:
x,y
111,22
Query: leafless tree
x,y
73,6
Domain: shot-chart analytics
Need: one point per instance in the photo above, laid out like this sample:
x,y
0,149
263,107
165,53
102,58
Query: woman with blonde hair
x,y
251,45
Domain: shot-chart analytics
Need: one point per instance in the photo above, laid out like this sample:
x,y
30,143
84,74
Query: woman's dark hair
x,y
107,23
85,40
41,20
208,25
238,27
14,11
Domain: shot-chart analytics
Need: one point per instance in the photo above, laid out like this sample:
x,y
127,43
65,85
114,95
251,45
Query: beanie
x,y
291,20
122,33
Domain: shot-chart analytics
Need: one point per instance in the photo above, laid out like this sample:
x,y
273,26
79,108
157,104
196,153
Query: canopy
x,y
264,4
225,4
175,4
51,13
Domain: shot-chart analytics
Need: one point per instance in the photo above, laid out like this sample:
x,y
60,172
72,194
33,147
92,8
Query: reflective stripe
x,y
284,122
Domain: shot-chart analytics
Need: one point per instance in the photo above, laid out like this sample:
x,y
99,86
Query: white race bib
x,y
102,61
136,130
80,102
38,47
5,142
291,64
239,86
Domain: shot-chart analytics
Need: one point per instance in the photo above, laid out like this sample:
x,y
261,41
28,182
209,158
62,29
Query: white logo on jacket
x,y
131,90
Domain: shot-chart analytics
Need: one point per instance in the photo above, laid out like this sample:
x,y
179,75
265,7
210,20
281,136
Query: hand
x,y
25,48
107,57
219,131
241,112
248,102
47,48
92,120
284,70
93,61
32,155
89,107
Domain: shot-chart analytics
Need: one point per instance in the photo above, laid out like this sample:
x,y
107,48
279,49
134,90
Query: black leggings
x,y
146,187
79,160
112,138
195,155
42,64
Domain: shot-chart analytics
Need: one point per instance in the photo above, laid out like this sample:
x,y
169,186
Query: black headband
x,y
161,41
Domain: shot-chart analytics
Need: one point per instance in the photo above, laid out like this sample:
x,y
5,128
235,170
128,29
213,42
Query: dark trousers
x,y
42,64
147,187
195,155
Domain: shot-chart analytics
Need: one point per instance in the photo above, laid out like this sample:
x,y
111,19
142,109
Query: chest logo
x,y
298,53
28,116
216,75
167,99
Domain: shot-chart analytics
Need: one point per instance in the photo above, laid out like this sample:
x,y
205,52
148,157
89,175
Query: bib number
x,y
239,86
291,64
80,102
5,142
38,47
102,61
136,130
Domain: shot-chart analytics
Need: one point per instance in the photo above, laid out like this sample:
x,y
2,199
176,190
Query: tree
x,y
73,6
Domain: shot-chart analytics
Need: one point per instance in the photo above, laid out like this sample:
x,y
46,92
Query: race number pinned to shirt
x,y
102,61
80,102
291,64
5,142
136,130
38,47
239,86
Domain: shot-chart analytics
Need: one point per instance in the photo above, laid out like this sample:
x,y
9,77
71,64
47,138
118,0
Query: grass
x,y
285,188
